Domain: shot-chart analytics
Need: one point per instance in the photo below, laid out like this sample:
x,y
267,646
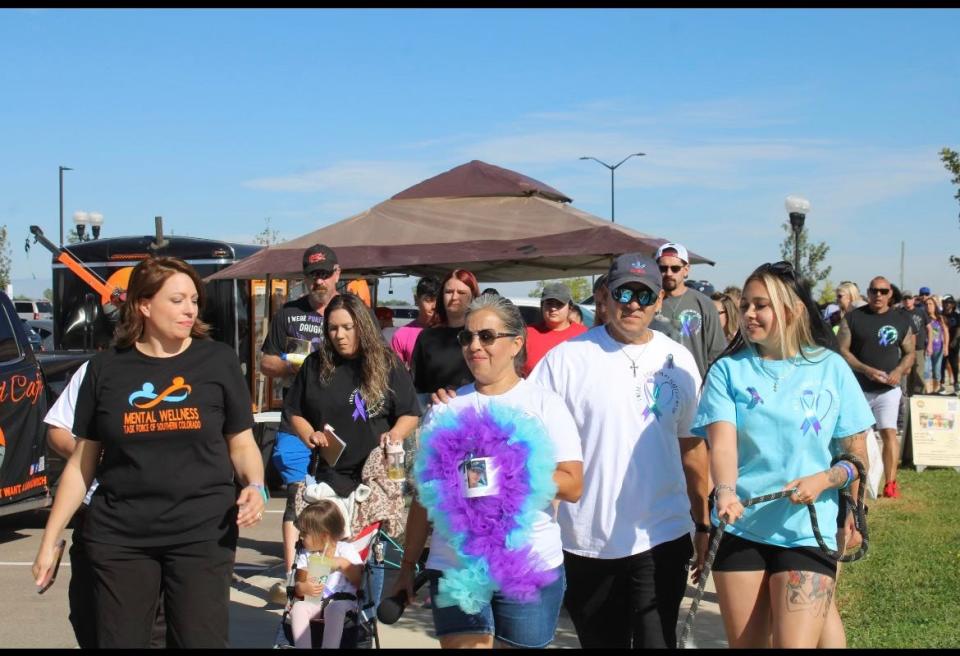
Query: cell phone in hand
x,y
58,552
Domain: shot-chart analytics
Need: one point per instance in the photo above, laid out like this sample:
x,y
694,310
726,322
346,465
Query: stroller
x,y
360,625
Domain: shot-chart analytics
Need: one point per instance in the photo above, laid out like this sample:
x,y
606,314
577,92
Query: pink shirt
x,y
404,340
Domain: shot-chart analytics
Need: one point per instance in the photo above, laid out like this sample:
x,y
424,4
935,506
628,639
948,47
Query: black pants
x,y
628,602
195,579
83,605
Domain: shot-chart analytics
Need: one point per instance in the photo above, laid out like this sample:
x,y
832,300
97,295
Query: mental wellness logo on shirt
x,y
690,323
816,405
887,336
149,418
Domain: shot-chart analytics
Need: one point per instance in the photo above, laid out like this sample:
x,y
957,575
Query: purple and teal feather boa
x,y
490,535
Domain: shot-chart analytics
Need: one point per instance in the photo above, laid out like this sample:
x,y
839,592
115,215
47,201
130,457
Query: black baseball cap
x,y
319,258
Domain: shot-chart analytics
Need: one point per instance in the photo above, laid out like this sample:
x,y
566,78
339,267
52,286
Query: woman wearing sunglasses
x,y
492,345
437,362
776,406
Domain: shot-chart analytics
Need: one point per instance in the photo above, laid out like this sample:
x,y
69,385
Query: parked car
x,y
37,309
530,310
403,315
33,337
45,328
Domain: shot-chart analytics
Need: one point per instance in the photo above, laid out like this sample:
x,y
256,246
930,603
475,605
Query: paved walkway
x,y
254,620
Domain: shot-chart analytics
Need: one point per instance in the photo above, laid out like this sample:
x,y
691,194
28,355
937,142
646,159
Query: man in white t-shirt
x,y
633,393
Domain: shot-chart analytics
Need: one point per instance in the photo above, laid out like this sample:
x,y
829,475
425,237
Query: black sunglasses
x,y
321,274
673,268
883,291
642,296
487,336
782,268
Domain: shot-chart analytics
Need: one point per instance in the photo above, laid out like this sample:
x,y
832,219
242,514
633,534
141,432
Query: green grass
x,y
906,592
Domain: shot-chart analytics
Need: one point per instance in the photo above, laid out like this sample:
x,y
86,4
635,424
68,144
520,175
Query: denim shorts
x,y
531,624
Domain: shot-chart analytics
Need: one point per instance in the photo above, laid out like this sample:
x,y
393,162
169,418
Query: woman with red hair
x,y
437,360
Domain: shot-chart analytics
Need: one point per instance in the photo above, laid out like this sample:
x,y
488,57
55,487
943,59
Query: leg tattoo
x,y
809,591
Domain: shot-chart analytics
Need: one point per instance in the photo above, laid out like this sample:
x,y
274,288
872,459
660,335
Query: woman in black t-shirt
x,y
437,360
357,386
164,421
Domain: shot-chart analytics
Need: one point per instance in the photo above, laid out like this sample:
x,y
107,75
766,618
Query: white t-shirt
x,y
634,490
549,409
336,582
61,413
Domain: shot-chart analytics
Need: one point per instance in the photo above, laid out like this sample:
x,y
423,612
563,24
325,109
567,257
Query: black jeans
x,y
195,579
628,602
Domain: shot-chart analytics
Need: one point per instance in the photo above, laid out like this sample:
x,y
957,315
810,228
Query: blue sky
x,y
218,119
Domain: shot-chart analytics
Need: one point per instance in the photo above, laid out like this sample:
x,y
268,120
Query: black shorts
x,y
736,554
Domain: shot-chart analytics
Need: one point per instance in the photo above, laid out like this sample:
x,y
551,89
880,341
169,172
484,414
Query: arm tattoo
x,y
809,591
909,343
836,476
843,335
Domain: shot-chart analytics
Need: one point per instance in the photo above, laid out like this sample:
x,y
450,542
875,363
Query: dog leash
x,y
859,518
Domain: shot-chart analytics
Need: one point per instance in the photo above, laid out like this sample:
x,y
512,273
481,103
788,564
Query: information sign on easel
x,y
935,428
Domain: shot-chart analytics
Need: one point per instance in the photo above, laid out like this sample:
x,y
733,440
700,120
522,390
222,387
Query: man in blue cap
x,y
633,393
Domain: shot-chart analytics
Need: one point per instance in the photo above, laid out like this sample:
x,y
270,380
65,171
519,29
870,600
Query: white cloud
x,y
366,179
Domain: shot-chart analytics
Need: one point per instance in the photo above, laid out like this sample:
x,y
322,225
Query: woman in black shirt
x,y
356,385
164,420
437,360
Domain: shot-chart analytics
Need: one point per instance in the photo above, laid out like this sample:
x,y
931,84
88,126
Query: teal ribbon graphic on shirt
x,y
754,398
361,408
685,322
652,404
808,401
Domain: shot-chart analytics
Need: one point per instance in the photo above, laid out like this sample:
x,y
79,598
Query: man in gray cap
x,y
556,326
633,394
686,315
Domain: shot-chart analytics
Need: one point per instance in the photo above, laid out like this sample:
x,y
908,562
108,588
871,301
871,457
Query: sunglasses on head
x,y
883,291
782,269
642,296
487,336
321,274
673,268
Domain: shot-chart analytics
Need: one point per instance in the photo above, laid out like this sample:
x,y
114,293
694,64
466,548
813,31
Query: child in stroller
x,y
327,577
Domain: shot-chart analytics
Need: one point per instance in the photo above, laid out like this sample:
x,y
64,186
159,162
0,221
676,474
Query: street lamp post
x,y
797,207
62,169
84,219
612,169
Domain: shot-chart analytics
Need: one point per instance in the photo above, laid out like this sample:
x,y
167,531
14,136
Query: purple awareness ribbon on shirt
x,y
754,398
809,407
685,325
361,409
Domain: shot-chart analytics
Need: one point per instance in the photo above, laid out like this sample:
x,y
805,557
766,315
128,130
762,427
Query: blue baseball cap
x,y
924,291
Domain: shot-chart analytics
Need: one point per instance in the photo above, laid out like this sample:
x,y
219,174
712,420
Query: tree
x,y
580,288
811,256
828,294
268,236
951,162
4,259
48,294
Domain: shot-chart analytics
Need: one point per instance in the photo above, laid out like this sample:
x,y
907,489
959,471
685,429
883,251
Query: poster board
x,y
935,431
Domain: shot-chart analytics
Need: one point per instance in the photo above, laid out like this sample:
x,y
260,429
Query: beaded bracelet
x,y
724,486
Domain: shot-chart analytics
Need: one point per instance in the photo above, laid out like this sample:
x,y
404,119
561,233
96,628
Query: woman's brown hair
x,y
145,281
376,358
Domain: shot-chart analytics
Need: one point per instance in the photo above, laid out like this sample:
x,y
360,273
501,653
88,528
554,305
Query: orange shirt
x,y
541,339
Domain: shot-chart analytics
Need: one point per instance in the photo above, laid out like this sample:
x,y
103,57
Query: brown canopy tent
x,y
499,224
